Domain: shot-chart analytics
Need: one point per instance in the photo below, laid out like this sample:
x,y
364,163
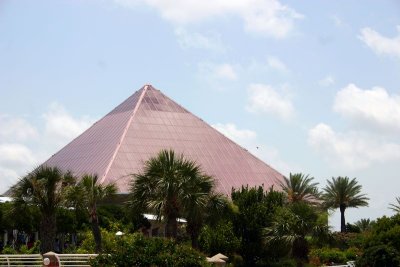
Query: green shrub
x,y
326,256
137,250
9,250
109,240
380,255
218,239
33,250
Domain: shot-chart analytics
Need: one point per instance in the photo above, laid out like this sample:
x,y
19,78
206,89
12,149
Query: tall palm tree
x,y
45,187
300,187
343,193
395,207
171,186
90,192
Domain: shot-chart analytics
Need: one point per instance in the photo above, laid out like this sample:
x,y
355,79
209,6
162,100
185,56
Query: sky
x,y
310,86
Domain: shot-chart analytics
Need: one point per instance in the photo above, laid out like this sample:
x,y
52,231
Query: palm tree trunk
x,y
96,233
47,232
342,219
193,229
171,227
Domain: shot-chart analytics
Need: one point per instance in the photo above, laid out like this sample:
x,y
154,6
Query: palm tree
x,y
300,187
171,186
395,207
203,206
45,187
89,193
343,193
364,224
292,228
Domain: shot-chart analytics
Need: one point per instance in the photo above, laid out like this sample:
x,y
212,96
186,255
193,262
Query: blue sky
x,y
314,85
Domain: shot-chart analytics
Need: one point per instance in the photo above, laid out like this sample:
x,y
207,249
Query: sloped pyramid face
x,y
117,145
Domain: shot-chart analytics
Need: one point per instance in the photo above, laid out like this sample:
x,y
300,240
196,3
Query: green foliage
x,y
219,239
364,224
395,206
47,189
325,256
255,212
346,240
352,228
109,241
137,250
66,220
343,193
380,255
382,244
35,249
172,186
293,227
299,187
22,249
9,250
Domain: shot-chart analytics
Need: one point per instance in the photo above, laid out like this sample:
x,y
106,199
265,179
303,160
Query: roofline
x,y
124,134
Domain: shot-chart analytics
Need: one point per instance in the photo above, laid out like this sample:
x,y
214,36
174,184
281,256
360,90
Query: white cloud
x,y
16,128
8,178
217,75
381,44
374,107
232,132
13,155
327,81
276,64
268,17
248,139
197,40
19,139
265,99
351,150
226,71
61,127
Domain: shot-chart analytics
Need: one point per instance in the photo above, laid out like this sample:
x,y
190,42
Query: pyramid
x,y
117,145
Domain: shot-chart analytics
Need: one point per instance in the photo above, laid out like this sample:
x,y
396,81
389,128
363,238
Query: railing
x,y
348,264
33,260
76,260
70,260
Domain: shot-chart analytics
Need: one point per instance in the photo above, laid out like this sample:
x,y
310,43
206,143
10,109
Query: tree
x,y
90,192
291,228
200,207
364,224
171,186
395,207
255,210
300,187
343,193
45,187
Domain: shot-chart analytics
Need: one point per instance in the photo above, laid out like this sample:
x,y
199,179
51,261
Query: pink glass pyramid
x,y
117,145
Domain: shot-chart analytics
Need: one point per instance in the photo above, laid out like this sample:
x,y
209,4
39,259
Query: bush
x,y
33,250
109,241
137,250
381,255
9,250
326,256
218,239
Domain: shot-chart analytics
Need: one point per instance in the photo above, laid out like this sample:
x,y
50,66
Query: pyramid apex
x,y
118,144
